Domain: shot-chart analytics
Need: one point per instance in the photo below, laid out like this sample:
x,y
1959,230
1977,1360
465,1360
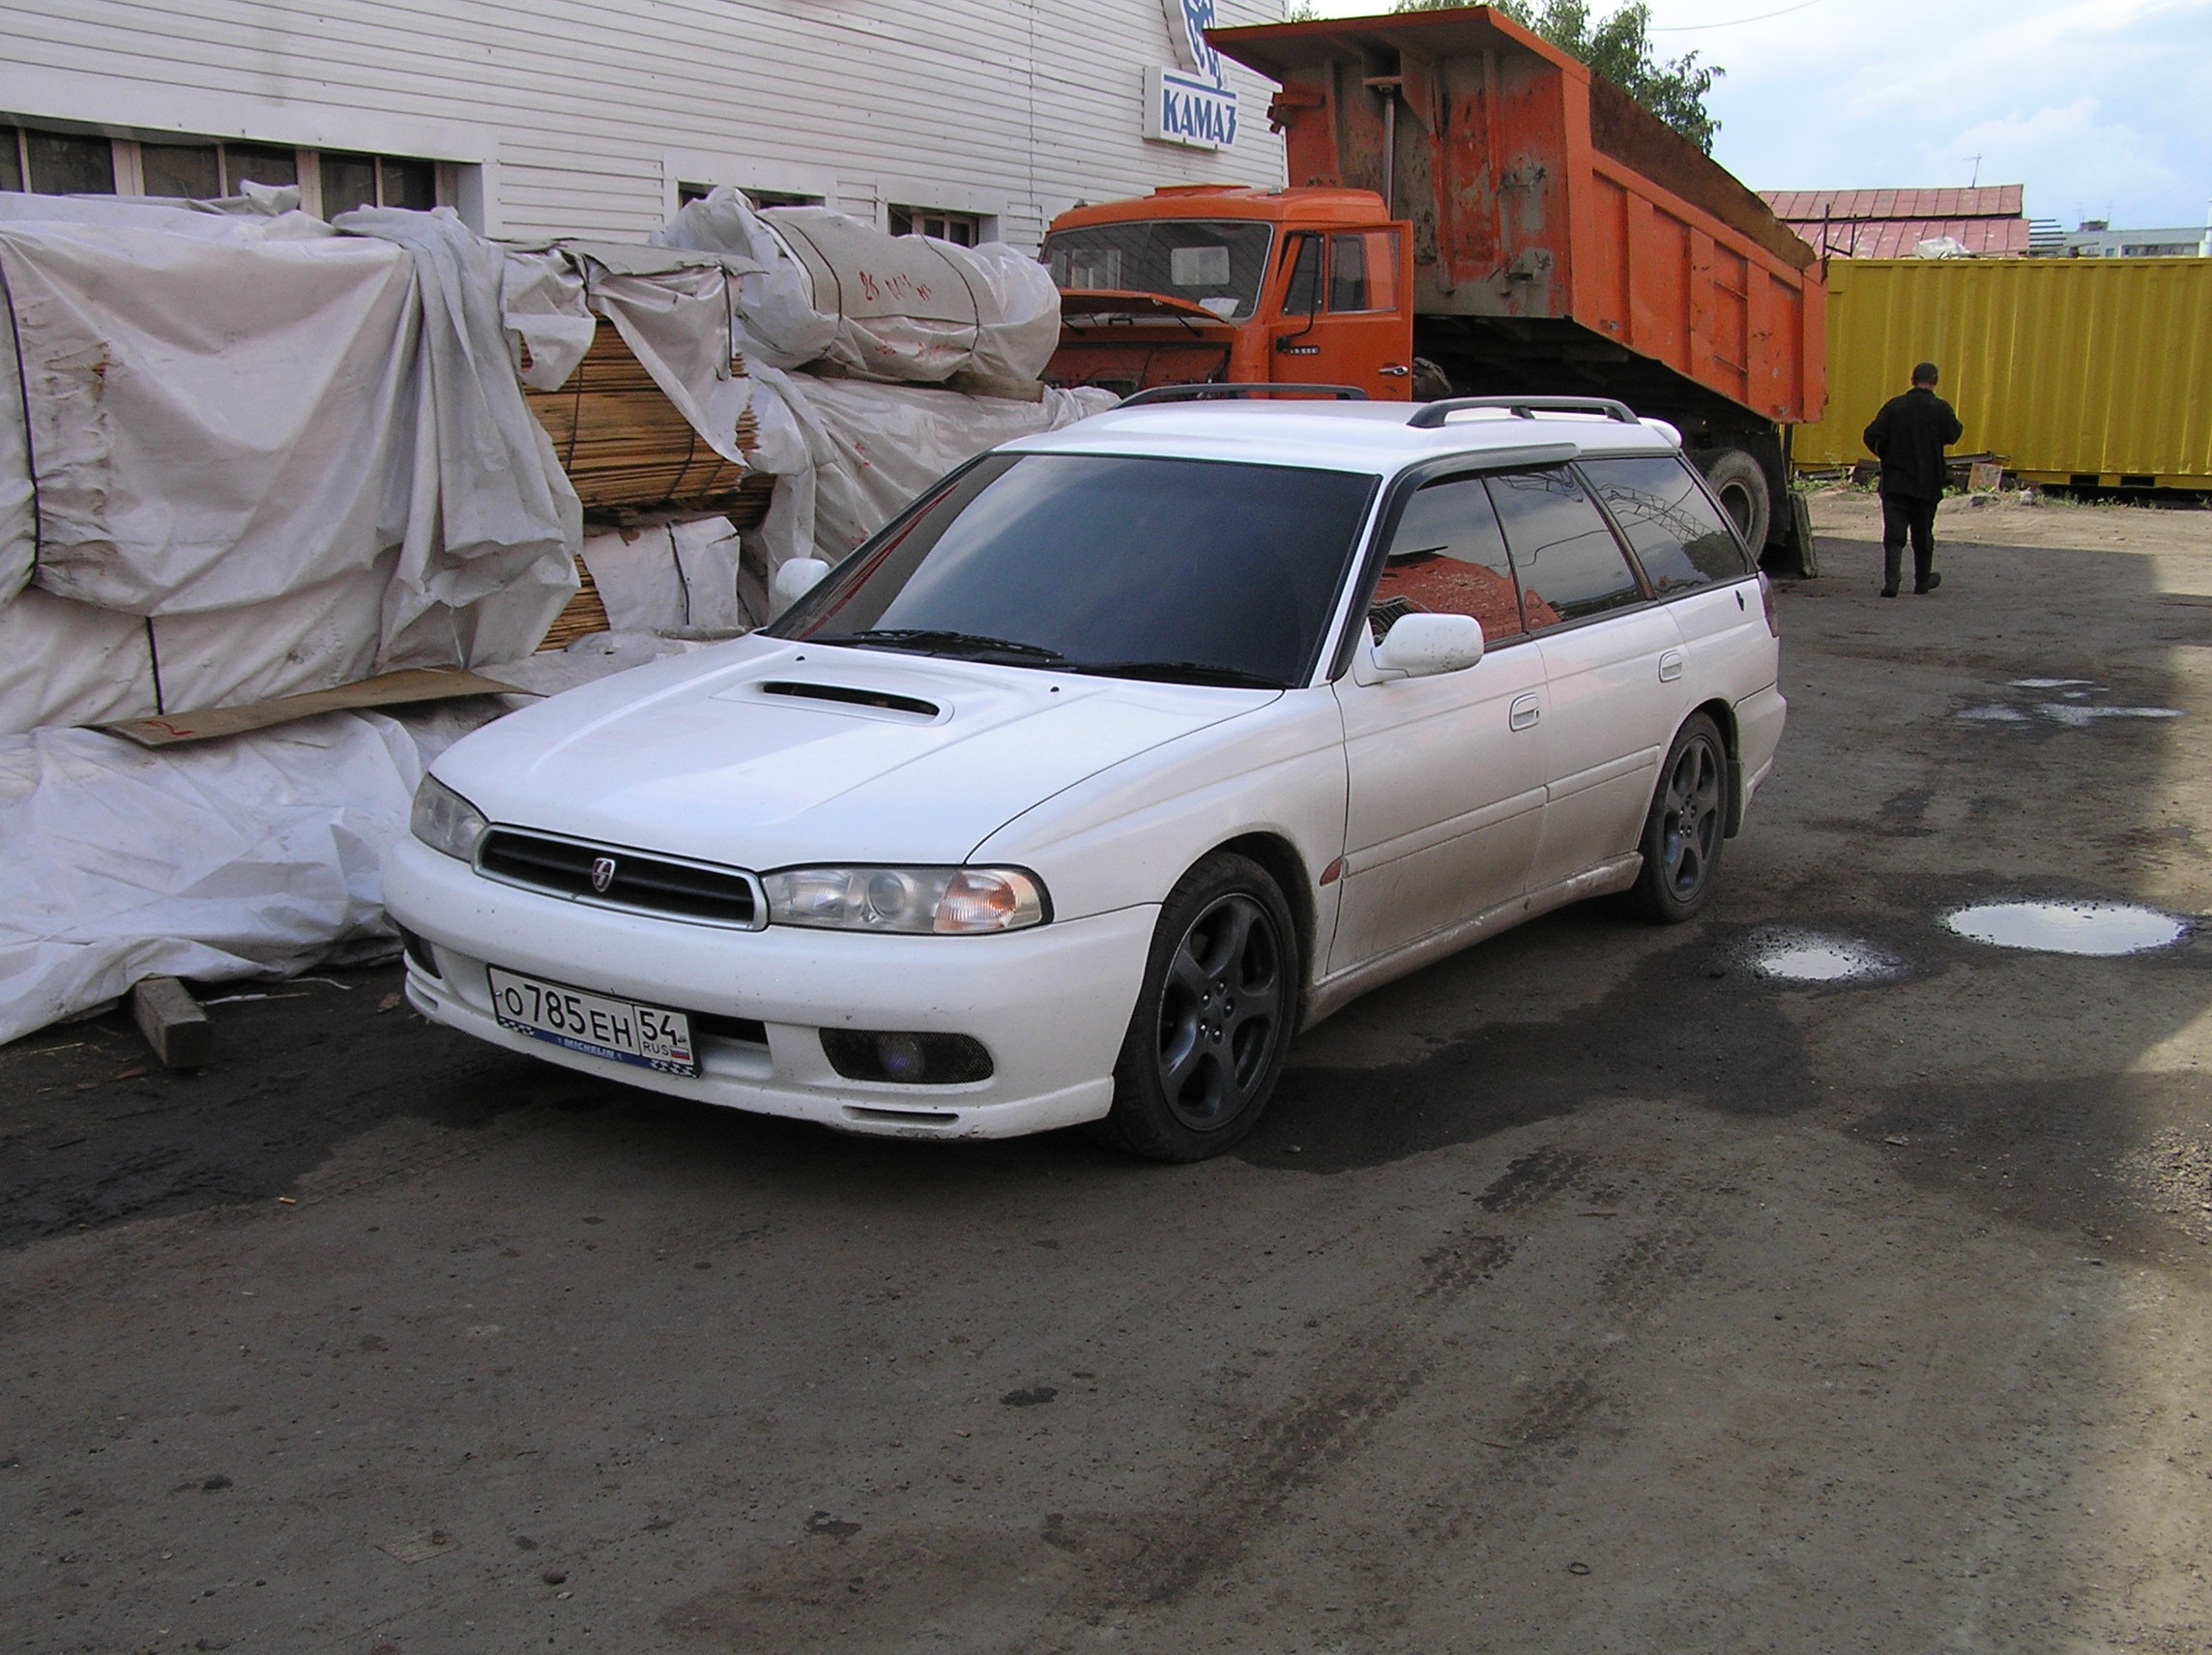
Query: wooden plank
x,y
173,1023
386,690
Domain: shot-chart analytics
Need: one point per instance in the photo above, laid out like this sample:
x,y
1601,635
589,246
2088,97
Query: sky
x,y
2103,108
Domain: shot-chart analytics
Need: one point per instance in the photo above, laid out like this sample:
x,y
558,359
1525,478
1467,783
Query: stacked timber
x,y
625,447
633,457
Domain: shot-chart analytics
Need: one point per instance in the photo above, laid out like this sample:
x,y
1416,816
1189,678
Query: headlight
x,y
443,820
947,901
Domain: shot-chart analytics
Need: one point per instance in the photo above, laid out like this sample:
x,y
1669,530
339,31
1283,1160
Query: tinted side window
x,y
1678,533
1448,558
1568,562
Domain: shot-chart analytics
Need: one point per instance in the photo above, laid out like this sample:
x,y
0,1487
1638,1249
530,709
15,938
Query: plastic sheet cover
x,y
282,457
900,308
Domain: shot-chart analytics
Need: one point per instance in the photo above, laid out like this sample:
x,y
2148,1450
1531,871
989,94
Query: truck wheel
x,y
1741,485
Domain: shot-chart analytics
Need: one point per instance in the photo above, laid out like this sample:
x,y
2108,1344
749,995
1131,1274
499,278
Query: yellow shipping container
x,y
2088,371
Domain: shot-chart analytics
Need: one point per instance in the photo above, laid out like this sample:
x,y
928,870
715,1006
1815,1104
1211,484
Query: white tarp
x,y
870,448
899,307
301,455
252,856
678,578
258,854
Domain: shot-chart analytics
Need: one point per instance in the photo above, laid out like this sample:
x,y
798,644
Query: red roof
x,y
1889,224
1989,201
1896,238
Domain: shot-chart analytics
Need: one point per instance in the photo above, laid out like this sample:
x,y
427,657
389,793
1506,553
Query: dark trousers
x,y
1901,514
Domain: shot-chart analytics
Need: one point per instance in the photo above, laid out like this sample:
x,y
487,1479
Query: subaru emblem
x,y
602,873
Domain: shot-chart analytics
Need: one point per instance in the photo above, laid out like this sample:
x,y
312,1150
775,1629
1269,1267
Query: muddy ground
x,y
1590,1291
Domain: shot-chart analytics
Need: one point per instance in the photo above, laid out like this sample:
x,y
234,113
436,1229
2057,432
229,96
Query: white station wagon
x,y
1121,756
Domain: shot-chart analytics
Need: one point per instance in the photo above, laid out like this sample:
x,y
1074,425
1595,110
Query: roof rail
x,y
1435,414
1210,392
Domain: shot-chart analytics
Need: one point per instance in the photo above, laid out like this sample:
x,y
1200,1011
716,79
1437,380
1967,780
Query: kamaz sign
x,y
1184,109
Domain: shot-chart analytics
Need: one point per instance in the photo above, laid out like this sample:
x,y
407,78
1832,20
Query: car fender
x,y
1125,834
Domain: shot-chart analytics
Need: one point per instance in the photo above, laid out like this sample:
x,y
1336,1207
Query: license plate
x,y
650,1037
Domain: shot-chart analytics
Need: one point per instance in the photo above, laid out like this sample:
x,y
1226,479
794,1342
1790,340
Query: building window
x,y
187,169
351,180
962,229
56,164
687,193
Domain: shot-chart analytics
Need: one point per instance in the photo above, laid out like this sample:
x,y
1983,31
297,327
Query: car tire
x,y
1213,1019
1740,483
1687,827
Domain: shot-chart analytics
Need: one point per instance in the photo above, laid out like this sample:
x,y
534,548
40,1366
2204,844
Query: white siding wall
x,y
581,117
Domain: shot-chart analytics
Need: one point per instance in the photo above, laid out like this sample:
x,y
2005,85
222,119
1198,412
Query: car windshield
x,y
1214,262
1183,570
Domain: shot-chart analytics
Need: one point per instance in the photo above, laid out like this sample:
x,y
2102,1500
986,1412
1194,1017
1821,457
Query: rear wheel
x,y
1740,483
1687,827
1213,1019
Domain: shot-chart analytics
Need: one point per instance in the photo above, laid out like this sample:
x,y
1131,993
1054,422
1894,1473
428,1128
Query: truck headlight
x,y
945,901
443,820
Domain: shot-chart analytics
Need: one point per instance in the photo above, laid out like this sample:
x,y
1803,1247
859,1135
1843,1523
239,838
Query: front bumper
x,y
1050,1005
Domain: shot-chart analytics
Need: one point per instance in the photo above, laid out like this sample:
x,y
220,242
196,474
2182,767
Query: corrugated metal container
x,y
2089,371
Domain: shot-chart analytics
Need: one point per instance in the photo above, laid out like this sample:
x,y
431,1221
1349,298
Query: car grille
x,y
641,880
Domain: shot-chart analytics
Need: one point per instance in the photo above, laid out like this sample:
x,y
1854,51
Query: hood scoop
x,y
854,697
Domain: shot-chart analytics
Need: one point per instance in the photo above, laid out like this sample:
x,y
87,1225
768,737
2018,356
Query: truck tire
x,y
1431,383
1741,485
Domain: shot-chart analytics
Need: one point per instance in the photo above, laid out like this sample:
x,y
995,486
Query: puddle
x,y
2072,710
1802,957
2101,929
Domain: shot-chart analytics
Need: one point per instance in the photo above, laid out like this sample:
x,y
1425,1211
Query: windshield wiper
x,y
1178,672
932,641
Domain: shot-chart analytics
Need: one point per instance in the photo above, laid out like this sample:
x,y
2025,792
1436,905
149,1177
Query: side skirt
x,y
1333,993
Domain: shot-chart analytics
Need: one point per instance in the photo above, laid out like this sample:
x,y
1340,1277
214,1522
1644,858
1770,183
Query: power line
x,y
1732,23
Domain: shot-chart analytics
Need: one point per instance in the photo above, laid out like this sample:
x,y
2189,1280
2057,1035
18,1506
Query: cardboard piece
x,y
386,690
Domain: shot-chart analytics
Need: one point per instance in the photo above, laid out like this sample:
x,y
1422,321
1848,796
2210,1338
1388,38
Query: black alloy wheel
x,y
1213,1019
1687,827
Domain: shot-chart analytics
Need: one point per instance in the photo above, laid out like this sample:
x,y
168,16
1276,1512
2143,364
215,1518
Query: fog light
x,y
418,951
899,1058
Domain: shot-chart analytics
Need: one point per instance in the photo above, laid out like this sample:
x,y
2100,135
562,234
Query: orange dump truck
x,y
1471,211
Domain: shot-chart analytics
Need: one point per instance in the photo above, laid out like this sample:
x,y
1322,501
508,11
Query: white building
x,y
967,119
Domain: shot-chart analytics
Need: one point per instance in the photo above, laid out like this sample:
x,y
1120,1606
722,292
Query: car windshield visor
x,y
1216,264
1183,570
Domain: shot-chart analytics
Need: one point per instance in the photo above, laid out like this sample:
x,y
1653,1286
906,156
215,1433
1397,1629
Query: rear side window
x,y
1448,558
1564,556
1678,533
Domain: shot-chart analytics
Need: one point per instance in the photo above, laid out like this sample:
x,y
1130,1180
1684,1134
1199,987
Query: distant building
x,y
1988,221
2097,239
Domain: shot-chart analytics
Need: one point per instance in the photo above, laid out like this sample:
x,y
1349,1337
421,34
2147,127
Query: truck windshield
x,y
1189,571
1216,263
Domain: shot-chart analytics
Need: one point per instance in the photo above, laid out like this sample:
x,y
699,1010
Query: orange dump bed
x,y
1551,213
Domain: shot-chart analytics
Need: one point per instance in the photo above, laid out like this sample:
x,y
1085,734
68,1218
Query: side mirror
x,y
794,580
1422,645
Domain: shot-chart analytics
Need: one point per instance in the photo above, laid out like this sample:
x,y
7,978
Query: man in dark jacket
x,y
1908,436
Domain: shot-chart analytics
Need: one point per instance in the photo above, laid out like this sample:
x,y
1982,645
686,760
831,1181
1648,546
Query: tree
x,y
1620,48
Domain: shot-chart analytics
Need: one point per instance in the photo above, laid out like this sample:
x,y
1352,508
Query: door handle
x,y
1527,710
1671,665
1394,371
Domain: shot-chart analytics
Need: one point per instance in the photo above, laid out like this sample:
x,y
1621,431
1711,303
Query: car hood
x,y
764,753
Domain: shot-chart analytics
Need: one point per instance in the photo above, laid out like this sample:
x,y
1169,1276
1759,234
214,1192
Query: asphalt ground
x,y
1589,1292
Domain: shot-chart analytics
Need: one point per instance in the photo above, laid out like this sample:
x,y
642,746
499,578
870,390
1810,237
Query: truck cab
x,y
1198,284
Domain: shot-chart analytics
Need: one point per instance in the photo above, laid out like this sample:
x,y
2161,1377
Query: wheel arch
x,y
1279,859
1722,714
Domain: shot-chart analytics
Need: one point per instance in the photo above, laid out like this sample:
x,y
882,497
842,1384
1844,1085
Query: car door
x,y
1345,314
1447,773
1696,566
1611,655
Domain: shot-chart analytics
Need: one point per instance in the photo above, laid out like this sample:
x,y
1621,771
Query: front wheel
x,y
1688,825
1213,1018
